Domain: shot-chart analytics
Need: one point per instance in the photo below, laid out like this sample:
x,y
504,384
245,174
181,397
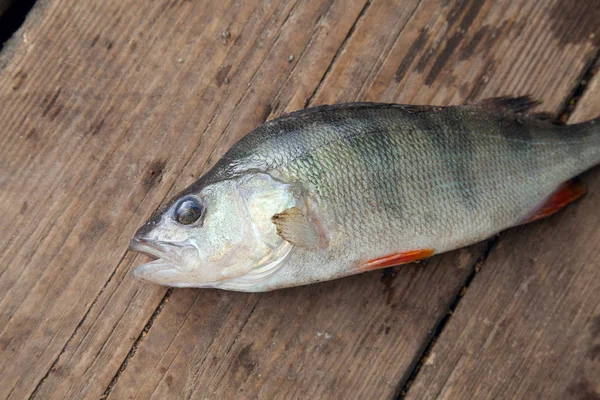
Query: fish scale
x,y
386,183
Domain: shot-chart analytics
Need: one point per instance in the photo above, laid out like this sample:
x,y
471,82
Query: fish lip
x,y
147,247
146,271
154,250
162,253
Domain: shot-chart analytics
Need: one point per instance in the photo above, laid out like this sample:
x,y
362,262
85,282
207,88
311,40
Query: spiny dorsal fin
x,y
519,104
293,226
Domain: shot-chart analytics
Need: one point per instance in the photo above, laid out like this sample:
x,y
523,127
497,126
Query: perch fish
x,y
332,191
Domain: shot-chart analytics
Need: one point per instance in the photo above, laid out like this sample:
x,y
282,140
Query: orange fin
x,y
565,194
396,259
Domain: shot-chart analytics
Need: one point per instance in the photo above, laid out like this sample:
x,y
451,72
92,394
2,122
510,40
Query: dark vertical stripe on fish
x,y
457,152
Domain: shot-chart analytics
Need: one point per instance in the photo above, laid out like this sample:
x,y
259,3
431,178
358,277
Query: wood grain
x,y
529,324
111,110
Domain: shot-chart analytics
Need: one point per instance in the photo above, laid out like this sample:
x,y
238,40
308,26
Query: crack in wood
x,y
68,342
339,51
586,77
240,101
377,65
137,343
239,332
298,59
438,328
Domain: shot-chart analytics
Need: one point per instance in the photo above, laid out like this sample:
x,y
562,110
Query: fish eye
x,y
188,211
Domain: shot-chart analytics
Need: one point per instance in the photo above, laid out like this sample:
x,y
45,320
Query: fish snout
x,y
138,242
145,229
146,246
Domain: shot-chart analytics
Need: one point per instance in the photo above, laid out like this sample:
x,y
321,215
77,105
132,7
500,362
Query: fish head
x,y
219,235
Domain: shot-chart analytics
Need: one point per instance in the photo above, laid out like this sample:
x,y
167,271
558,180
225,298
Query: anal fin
x,y
395,259
565,194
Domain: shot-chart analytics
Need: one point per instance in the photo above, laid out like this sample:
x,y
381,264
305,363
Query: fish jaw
x,y
155,271
180,265
170,260
163,271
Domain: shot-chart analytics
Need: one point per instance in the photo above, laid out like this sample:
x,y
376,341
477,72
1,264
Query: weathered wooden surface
x,y
110,110
529,324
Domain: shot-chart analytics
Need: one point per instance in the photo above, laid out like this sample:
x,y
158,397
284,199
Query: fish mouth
x,y
169,266
147,247
162,269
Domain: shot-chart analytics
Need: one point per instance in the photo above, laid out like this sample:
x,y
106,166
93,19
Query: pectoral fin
x,y
298,229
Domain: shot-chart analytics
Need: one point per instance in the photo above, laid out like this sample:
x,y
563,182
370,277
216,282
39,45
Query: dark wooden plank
x,y
529,324
130,106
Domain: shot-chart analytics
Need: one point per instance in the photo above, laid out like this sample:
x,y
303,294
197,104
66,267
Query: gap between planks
x,y
586,77
438,328
53,365
137,343
337,53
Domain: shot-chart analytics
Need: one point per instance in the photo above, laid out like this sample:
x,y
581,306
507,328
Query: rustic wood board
x,y
529,324
129,107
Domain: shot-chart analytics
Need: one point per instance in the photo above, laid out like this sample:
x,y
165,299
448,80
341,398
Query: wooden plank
x,y
114,118
529,324
354,337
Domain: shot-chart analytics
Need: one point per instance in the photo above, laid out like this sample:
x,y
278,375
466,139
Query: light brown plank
x,y
127,100
529,324
330,340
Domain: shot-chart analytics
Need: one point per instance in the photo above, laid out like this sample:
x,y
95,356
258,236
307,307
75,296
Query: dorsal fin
x,y
520,104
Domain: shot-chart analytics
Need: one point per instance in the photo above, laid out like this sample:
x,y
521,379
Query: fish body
x,y
337,190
